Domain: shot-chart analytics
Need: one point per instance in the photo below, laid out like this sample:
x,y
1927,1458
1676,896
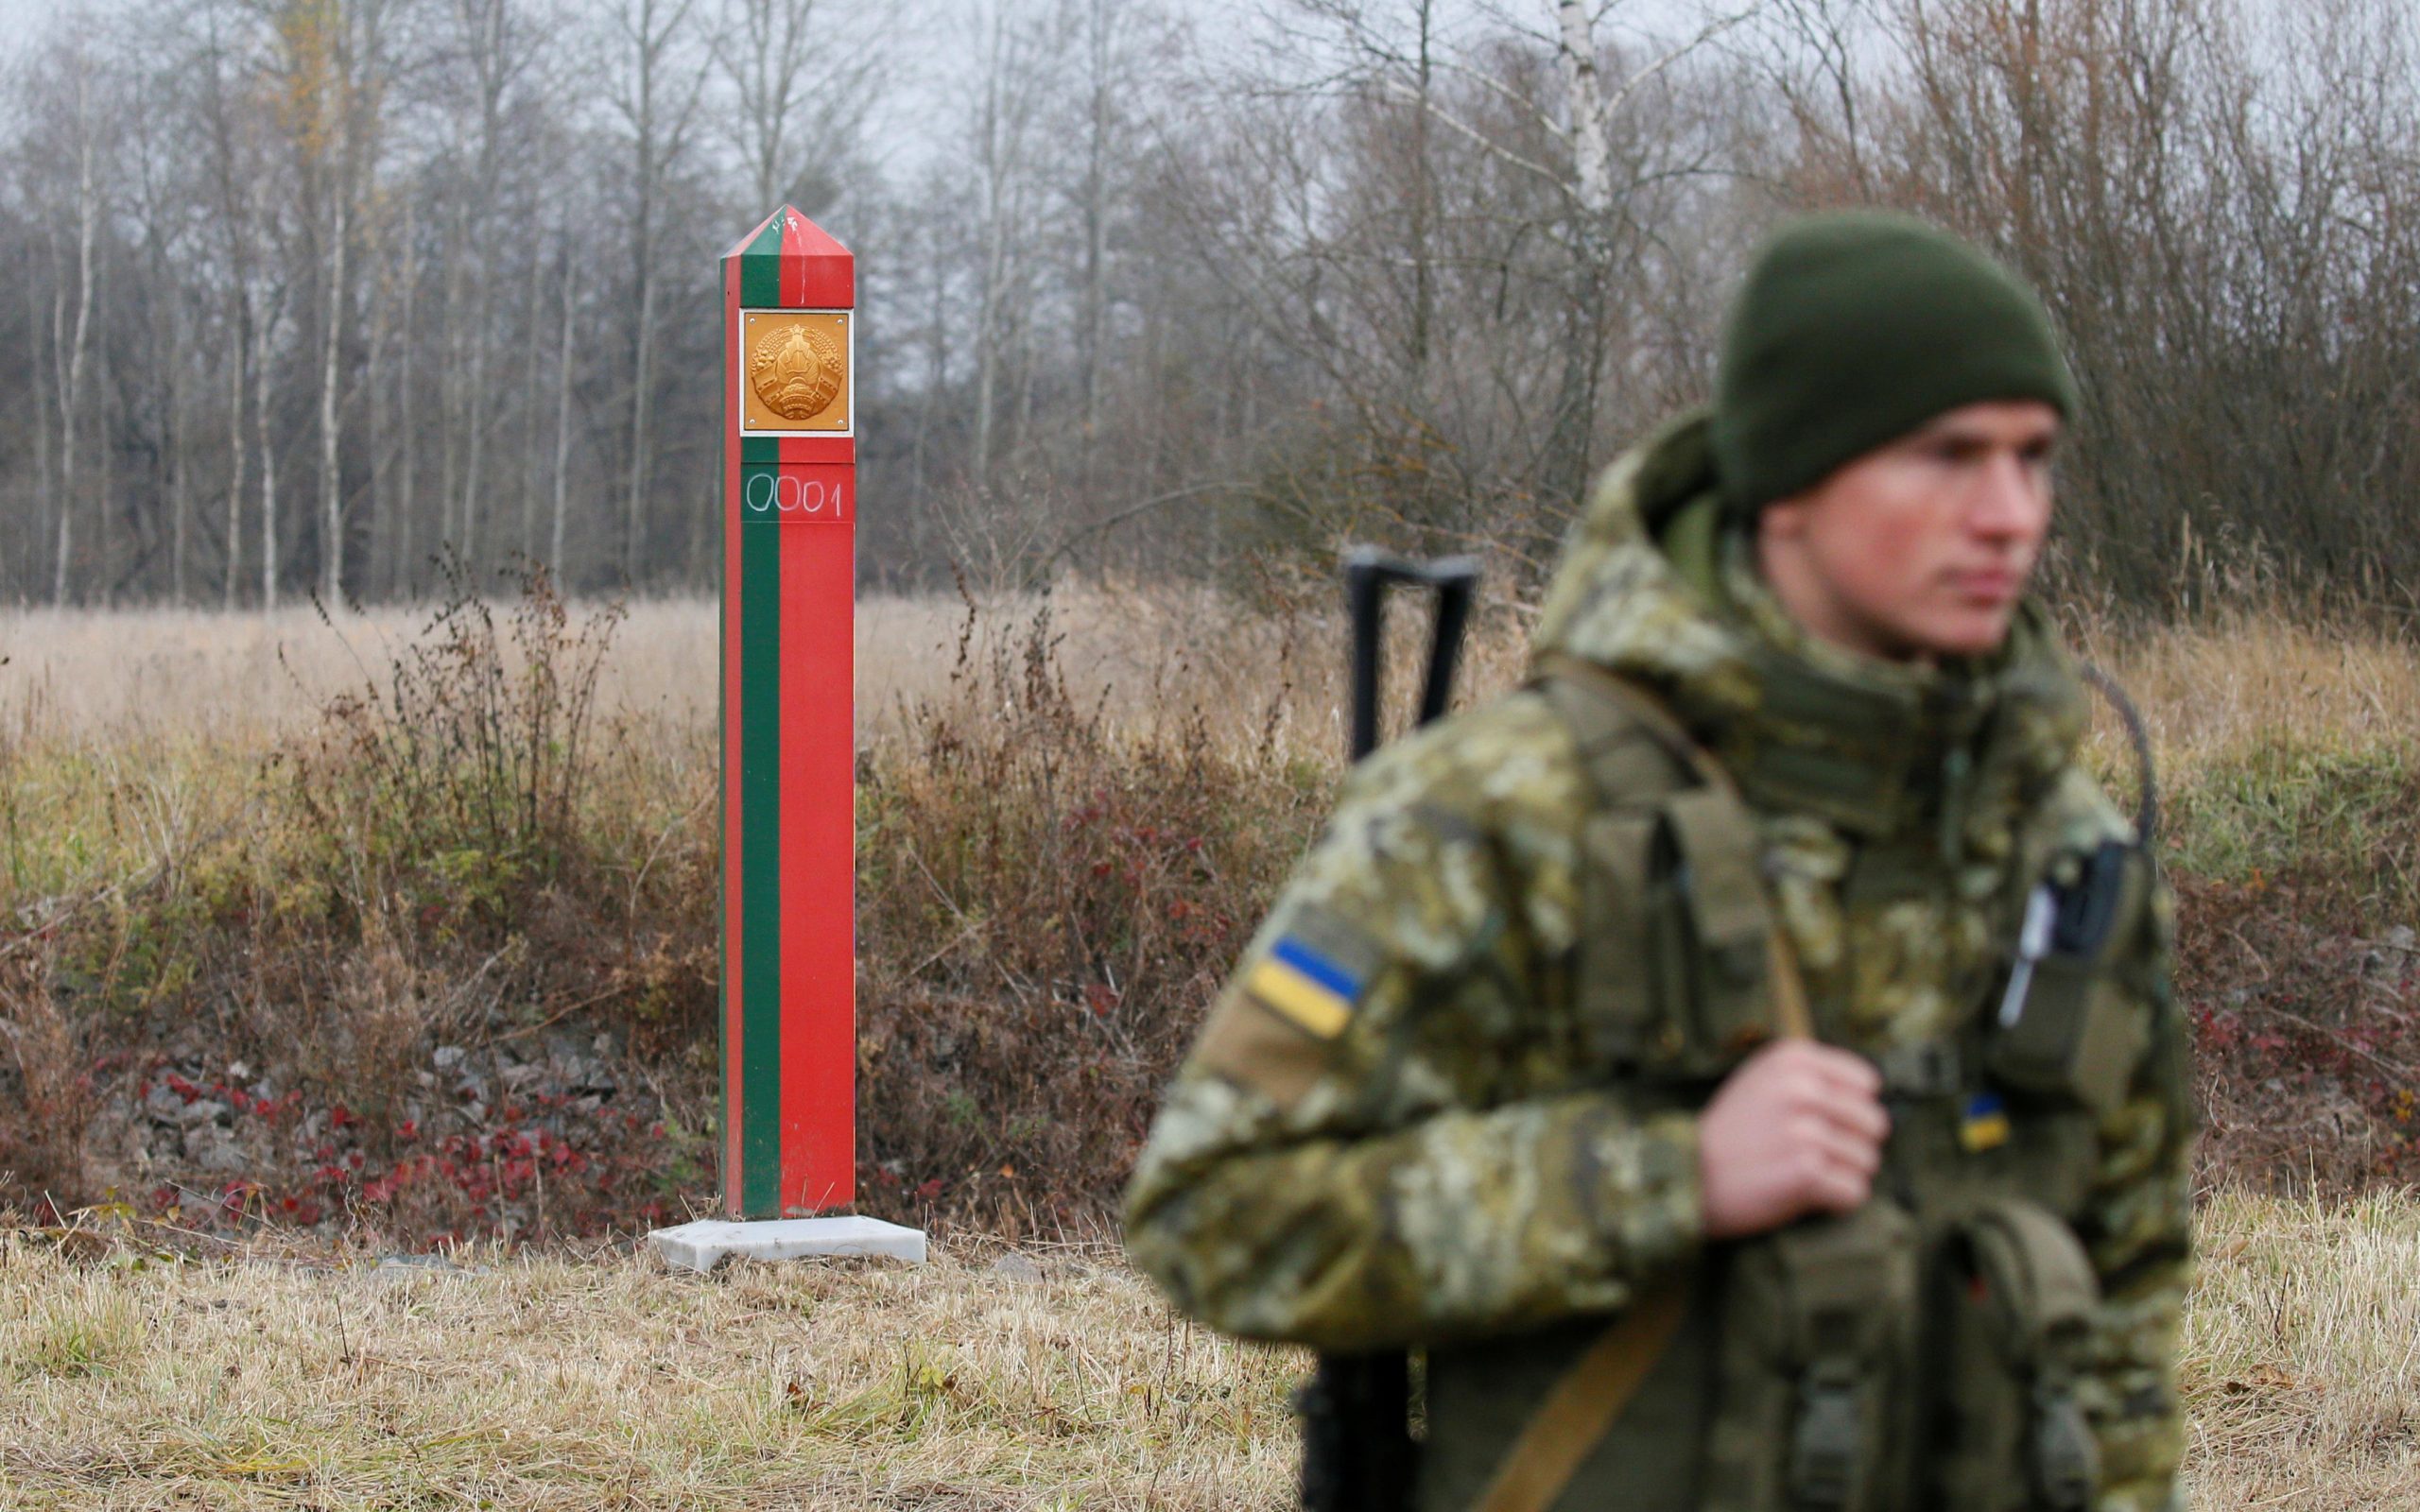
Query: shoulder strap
x,y
1585,1401
1603,710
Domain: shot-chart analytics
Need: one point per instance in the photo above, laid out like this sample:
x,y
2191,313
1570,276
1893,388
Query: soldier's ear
x,y
1784,519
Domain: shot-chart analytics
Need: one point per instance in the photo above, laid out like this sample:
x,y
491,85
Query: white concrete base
x,y
706,1243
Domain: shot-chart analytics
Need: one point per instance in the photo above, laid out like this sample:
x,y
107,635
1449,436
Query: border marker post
x,y
788,757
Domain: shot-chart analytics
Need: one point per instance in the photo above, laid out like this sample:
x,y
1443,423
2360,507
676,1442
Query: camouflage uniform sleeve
x,y
2139,1232
1367,1146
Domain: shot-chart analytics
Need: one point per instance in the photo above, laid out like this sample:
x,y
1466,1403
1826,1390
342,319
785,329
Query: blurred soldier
x,y
1522,1070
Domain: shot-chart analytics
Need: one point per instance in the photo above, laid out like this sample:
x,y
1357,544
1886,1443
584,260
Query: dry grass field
x,y
126,676
2299,1355
287,1380
2210,691
1035,1382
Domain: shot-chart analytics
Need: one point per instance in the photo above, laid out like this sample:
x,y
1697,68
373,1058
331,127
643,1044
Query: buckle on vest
x,y
1825,1451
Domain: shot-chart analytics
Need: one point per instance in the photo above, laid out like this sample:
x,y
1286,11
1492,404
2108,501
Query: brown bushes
x,y
42,1137
2308,1050
448,964
1047,905
351,993
445,961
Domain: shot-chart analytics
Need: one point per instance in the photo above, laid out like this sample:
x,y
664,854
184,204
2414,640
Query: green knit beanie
x,y
1855,328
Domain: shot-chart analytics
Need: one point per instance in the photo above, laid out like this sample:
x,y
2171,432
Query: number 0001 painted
x,y
797,493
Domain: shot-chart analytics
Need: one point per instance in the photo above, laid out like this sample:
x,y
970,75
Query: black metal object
x,y
1357,1450
1358,1453
1368,574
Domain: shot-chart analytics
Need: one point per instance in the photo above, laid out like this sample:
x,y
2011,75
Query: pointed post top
x,y
788,262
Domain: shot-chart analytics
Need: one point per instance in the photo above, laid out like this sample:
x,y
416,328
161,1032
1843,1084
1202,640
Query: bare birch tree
x,y
662,83
77,76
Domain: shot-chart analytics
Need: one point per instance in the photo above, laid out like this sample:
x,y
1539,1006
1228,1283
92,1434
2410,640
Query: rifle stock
x,y
1358,1455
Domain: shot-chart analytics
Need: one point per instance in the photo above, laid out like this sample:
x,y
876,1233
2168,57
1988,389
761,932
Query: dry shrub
x,y
455,783
45,1087
1048,904
381,988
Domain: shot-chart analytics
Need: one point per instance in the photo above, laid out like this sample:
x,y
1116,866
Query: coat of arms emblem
x,y
796,371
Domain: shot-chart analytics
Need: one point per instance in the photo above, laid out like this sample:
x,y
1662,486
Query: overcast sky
x,y
19,20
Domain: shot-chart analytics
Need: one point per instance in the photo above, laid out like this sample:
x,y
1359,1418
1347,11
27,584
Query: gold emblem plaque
x,y
794,370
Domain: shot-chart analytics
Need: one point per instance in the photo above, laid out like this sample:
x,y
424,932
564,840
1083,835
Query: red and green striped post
x,y
788,741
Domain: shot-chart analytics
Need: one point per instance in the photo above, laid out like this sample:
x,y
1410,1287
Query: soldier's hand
x,y
1797,1128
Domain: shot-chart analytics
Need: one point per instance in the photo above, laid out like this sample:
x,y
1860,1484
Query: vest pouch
x,y
2077,1039
2016,1309
1713,931
1673,979
1818,1335
2065,1030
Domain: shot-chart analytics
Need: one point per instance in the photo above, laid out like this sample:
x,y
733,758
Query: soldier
x,y
1522,1072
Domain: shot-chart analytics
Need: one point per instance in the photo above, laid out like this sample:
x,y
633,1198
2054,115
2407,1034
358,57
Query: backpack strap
x,y
1610,717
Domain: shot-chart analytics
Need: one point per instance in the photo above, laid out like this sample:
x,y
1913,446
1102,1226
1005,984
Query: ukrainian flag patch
x,y
1985,1124
1306,987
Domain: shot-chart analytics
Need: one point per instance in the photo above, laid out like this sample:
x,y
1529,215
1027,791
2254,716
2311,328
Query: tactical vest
x,y
1922,1352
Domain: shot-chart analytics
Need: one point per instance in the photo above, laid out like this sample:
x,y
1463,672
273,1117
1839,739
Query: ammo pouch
x,y
2064,1030
1684,987
2019,1294
1816,1356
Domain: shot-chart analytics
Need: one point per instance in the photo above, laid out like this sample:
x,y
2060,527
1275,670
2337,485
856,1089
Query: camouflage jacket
x,y
1394,1130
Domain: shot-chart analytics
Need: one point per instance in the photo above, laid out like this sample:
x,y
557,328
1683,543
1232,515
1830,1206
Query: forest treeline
x,y
306,291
